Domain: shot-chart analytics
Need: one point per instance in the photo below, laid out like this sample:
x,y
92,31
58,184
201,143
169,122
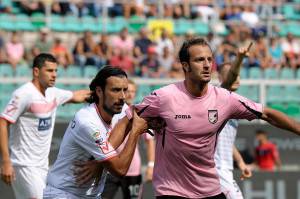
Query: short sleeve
x,y
15,107
149,107
243,108
62,96
95,141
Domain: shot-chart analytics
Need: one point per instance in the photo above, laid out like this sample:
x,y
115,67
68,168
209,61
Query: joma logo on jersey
x,y
45,124
183,117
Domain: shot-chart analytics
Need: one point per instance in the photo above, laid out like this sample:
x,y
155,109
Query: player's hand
x,y
139,125
81,95
7,173
244,51
246,172
156,123
86,171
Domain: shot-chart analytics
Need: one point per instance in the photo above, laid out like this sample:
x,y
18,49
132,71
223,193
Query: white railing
x,y
262,83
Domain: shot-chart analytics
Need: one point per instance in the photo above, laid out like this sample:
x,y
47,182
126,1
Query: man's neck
x,y
196,89
38,86
104,115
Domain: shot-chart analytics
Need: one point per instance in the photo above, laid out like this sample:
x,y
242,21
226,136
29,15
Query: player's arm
x,y
280,120
119,164
119,132
236,67
246,171
150,157
7,171
80,96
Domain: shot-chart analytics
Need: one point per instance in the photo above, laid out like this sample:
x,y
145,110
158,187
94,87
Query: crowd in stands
x,y
140,54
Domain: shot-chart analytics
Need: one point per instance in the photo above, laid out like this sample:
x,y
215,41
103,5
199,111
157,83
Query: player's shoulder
x,y
86,113
25,90
169,89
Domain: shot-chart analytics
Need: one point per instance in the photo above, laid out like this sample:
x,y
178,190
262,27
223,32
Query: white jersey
x,y
86,138
32,116
224,149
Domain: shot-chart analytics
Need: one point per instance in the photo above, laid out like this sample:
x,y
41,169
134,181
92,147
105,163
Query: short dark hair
x,y
261,132
100,80
39,60
184,55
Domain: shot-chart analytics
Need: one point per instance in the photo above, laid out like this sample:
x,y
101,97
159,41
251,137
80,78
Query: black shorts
x,y
130,186
220,196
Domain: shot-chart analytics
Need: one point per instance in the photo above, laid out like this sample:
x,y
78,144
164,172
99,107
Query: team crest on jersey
x,y
213,116
45,124
96,135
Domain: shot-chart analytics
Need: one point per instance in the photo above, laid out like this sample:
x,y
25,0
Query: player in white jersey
x,y
226,150
30,114
90,137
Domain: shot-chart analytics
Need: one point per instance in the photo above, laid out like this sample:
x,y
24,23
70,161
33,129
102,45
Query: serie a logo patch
x,y
45,124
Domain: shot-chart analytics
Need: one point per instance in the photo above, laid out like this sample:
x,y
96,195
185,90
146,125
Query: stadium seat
x,y
293,110
255,73
200,28
57,24
73,71
90,71
72,24
244,73
142,91
298,73
136,23
23,23
6,70
6,22
289,12
89,24
270,73
38,20
277,106
291,93
23,71
274,94
181,26
287,73
243,90
253,93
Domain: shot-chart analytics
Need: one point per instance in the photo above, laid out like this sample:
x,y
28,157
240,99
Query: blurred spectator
x,y
213,41
143,41
103,49
249,16
123,60
176,71
2,49
149,66
166,60
291,50
136,7
262,53
89,46
276,53
61,53
266,154
14,50
79,8
4,8
79,54
205,11
31,6
165,41
43,43
123,41
151,9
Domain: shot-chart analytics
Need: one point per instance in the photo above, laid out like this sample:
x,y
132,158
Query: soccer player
x,y
225,150
195,112
89,136
30,114
131,183
266,153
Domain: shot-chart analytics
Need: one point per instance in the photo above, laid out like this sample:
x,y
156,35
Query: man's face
x,y
130,94
114,94
46,74
200,63
224,75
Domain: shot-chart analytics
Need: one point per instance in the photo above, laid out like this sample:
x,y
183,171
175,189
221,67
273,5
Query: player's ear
x,y
185,66
35,71
99,92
